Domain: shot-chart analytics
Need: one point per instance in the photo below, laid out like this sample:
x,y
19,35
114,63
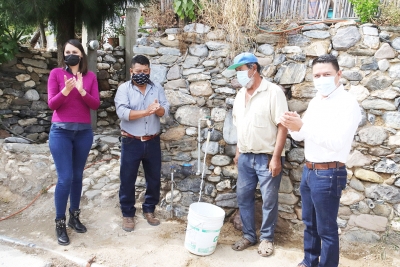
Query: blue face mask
x,y
243,77
325,85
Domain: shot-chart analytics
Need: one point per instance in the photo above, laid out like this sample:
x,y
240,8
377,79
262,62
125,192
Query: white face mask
x,y
325,85
243,77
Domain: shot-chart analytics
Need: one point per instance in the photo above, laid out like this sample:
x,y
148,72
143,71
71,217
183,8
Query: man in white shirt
x,y
328,129
259,153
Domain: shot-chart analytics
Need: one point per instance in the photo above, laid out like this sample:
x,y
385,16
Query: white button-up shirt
x,y
329,125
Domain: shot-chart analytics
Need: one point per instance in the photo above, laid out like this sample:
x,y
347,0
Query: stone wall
x,y
23,91
191,64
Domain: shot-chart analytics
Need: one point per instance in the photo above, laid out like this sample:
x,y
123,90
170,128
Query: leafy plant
x,y
365,9
186,9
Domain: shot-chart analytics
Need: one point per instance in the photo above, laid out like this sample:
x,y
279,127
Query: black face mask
x,y
72,60
141,78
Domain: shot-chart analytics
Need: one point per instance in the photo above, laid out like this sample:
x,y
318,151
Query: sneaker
x,y
128,224
151,218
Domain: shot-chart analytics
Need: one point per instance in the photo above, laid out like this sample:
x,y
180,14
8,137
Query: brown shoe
x,y
128,224
151,219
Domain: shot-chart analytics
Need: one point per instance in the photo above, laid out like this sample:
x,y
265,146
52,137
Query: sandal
x,y
242,244
266,248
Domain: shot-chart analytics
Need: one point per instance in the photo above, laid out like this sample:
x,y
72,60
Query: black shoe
x,y
61,232
75,223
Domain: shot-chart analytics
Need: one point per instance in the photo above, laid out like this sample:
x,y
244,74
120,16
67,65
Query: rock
x,y
218,34
386,166
392,119
361,236
352,75
298,39
371,41
369,222
158,73
382,210
201,88
92,194
228,200
16,140
215,135
291,73
175,84
35,63
215,45
350,196
368,176
345,38
317,34
370,31
225,90
198,77
212,149
189,115
346,61
229,130
23,77
230,171
296,173
198,50
383,192
303,90
318,26
218,114
291,50
359,92
297,105
169,51
378,82
221,160
177,98
289,199
296,154
394,140
374,135
145,50
214,179
396,43
357,184
176,194
286,185
385,51
378,104
173,134
279,59
356,158
266,49
341,223
394,71
223,185
197,28
189,184
190,62
369,64
317,48
167,59
174,73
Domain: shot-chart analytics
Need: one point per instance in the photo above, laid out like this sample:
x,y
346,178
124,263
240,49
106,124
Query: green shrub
x,y
365,9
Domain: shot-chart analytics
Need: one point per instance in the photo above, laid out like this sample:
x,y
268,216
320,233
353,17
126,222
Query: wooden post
x,y
87,35
132,28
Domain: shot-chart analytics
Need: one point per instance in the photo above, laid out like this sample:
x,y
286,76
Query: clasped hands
x,y
153,107
74,82
292,121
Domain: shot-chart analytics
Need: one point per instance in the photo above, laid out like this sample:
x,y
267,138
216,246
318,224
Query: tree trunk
x,y
65,28
35,38
42,35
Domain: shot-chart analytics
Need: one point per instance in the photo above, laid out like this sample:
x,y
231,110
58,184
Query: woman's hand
x,y
79,84
69,85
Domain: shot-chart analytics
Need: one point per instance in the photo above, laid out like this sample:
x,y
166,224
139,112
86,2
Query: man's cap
x,y
242,59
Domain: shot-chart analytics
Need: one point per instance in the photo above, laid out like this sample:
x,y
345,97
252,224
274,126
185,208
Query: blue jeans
x,y
70,150
134,151
320,195
253,168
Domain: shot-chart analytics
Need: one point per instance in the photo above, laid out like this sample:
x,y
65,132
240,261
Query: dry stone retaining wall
x,y
197,84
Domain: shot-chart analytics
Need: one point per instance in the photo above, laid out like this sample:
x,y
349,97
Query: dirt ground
x,y
154,246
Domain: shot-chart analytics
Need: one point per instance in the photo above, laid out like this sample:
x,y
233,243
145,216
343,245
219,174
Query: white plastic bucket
x,y
204,225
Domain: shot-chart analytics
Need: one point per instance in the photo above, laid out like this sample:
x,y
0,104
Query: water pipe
x,y
210,125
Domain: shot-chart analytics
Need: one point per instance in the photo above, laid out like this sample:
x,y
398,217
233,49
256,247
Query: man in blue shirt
x,y
140,103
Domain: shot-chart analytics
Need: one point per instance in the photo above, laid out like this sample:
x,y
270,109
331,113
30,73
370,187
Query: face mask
x,y
72,60
325,85
243,77
141,78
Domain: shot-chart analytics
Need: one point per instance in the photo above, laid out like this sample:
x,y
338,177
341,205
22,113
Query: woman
x,y
72,92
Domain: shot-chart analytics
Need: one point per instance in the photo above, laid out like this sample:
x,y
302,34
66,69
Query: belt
x,y
324,165
141,138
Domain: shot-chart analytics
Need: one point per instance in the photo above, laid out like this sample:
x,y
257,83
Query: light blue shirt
x,y
129,97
